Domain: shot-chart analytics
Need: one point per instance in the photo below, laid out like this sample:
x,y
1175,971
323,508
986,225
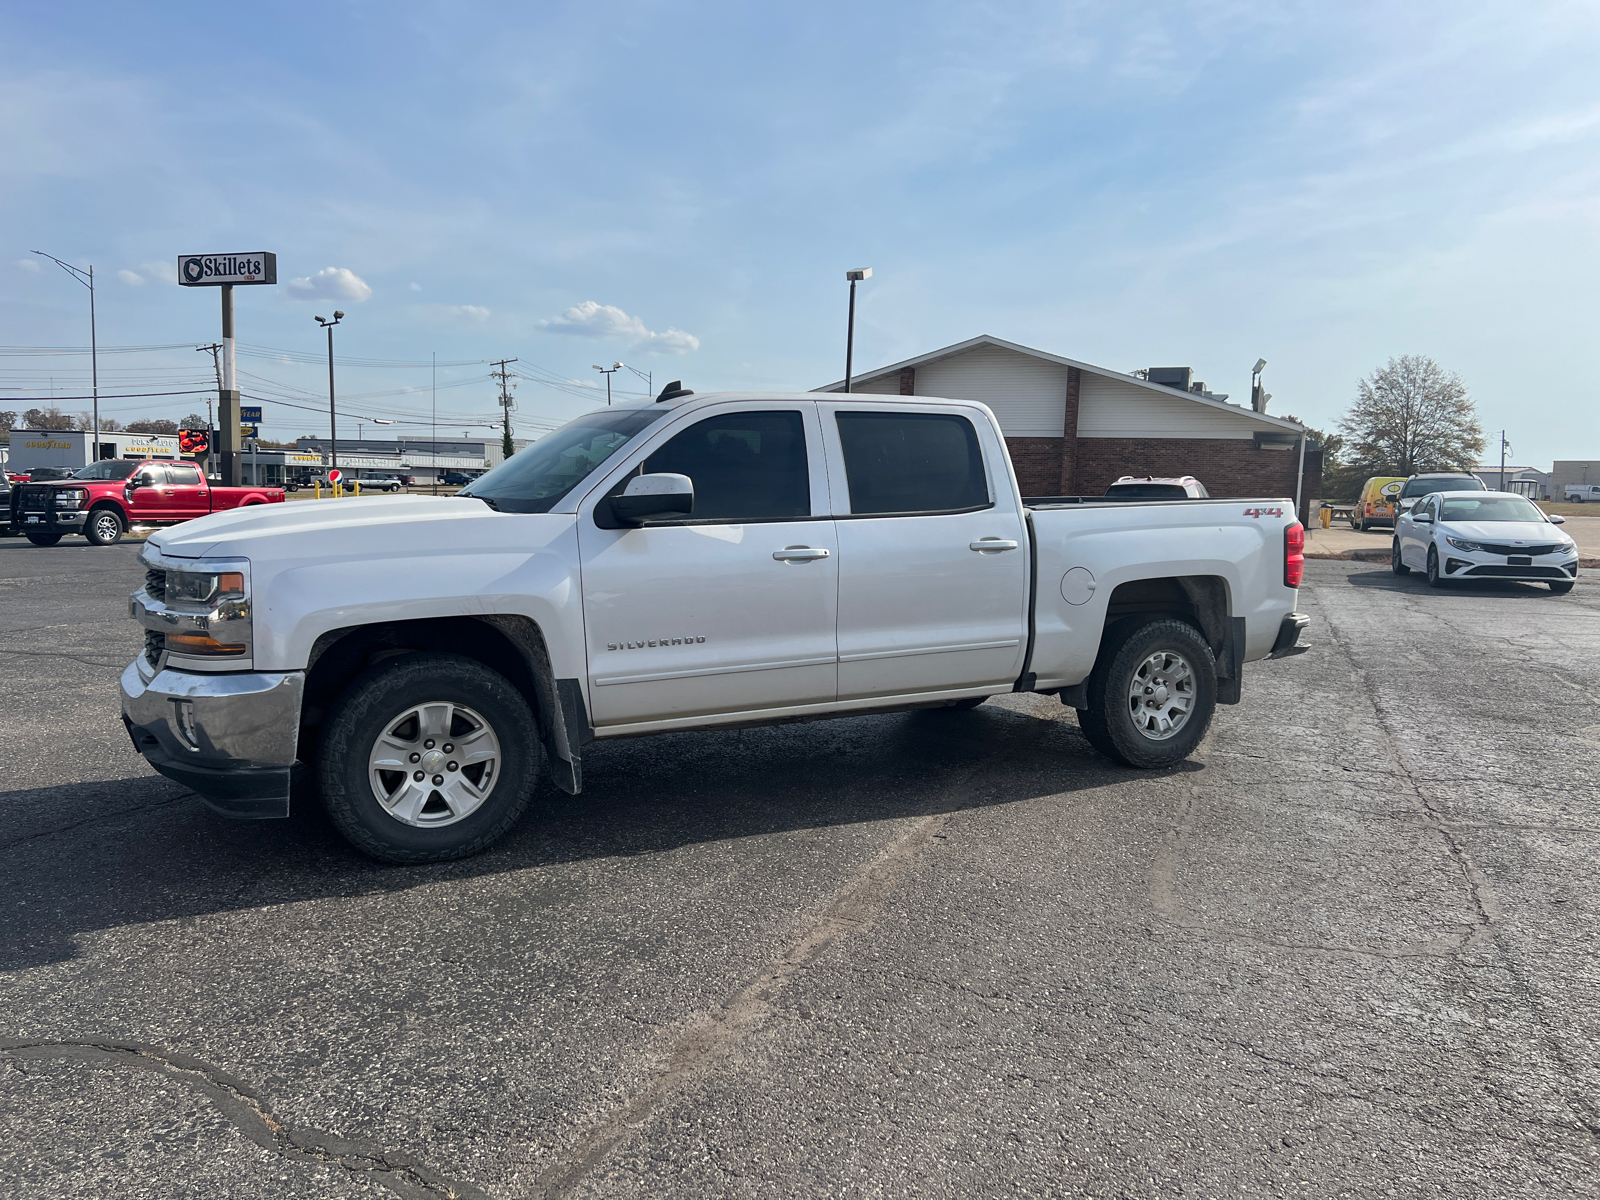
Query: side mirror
x,y
1422,518
647,496
139,480
1557,519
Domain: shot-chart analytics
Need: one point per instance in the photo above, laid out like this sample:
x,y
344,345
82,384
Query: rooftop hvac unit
x,y
1178,378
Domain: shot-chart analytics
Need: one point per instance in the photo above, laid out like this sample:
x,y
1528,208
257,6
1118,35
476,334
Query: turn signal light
x,y
199,643
1294,555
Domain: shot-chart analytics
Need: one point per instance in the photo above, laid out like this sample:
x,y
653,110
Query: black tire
x,y
103,526
1395,565
1561,586
1434,578
372,704
47,538
965,704
1109,724
1361,526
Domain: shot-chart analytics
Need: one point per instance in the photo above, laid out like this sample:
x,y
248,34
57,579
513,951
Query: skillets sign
x,y
213,270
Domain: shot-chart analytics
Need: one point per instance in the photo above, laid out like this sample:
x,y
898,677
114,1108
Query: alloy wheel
x,y
1161,694
434,764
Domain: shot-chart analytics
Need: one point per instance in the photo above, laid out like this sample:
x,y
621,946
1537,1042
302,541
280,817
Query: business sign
x,y
335,475
194,441
249,431
213,270
250,415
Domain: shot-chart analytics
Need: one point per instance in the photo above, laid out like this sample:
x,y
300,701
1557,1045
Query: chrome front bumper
x,y
232,738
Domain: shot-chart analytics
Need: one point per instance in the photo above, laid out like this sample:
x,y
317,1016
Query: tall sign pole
x,y
227,271
855,276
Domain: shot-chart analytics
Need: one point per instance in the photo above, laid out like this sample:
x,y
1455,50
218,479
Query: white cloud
x,y
165,271
473,312
592,319
416,287
28,264
330,283
132,278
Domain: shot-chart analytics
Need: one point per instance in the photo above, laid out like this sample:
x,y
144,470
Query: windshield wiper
x,y
485,499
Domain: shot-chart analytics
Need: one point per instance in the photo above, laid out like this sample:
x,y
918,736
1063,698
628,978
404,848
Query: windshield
x,y
1492,508
533,480
107,470
1147,491
1423,484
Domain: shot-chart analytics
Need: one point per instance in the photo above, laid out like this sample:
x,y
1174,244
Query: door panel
x,y
186,494
921,609
148,503
714,613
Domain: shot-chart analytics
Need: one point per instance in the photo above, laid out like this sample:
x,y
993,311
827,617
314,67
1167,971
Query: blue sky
x,y
682,187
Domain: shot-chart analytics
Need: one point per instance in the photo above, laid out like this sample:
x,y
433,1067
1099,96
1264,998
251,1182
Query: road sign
x,y
214,270
335,475
249,430
251,415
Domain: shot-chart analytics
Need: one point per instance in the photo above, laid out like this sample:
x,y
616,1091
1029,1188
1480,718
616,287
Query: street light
x,y
87,279
647,376
1258,398
608,372
855,276
333,427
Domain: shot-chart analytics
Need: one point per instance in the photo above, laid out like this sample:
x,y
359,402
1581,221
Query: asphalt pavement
x,y
1348,950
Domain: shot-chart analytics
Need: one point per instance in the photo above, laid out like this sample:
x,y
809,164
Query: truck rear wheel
x,y
1152,693
103,527
428,757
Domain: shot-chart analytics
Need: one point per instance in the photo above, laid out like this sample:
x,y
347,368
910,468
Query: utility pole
x,y
333,424
87,279
435,422
216,364
507,447
1503,448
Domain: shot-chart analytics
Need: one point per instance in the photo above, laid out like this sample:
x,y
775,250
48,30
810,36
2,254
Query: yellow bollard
x,y
357,486
317,484
1327,518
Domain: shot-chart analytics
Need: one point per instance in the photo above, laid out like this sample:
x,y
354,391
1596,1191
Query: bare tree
x,y
193,421
158,425
1409,417
8,421
85,422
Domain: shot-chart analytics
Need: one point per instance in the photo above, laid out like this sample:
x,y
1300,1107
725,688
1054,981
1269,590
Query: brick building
x,y
1073,428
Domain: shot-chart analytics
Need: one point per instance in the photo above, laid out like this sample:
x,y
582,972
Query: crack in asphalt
x,y
711,1035
247,1112
99,818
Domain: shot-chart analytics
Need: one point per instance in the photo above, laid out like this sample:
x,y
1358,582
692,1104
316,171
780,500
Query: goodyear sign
x,y
213,270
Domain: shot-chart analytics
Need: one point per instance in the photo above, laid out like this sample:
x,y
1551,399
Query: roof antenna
x,y
673,390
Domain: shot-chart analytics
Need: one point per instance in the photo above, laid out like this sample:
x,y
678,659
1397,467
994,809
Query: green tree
x,y
1410,417
49,417
156,425
507,449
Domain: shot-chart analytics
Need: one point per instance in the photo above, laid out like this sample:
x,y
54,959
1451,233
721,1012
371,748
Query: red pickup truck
x,y
103,501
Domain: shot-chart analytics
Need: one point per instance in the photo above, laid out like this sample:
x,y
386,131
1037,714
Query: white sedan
x,y
1483,535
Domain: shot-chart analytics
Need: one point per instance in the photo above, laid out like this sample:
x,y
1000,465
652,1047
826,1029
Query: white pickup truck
x,y
695,562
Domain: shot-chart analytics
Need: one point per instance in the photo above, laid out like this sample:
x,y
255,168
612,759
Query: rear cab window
x,y
912,464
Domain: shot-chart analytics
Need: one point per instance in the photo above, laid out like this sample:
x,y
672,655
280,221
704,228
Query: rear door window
x,y
745,466
182,475
904,464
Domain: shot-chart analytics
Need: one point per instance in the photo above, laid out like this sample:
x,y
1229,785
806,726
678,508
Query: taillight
x,y
1294,555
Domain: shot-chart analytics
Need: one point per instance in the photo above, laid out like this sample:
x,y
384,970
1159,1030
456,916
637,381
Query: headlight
x,y
212,611
1461,544
70,497
193,587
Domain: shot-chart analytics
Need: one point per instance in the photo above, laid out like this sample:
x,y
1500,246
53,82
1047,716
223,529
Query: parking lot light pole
x,y
87,279
855,275
333,426
608,372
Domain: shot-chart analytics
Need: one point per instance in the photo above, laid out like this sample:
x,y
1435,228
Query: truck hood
x,y
353,528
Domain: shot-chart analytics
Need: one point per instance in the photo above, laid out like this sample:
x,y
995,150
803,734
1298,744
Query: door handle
x,y
992,544
799,553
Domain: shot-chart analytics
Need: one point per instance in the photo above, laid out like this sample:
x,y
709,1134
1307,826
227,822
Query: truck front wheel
x,y
1152,694
428,757
104,526
49,538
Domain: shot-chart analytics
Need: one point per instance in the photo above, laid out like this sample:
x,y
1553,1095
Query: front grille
x,y
155,582
1508,551
155,645
34,497
1521,572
